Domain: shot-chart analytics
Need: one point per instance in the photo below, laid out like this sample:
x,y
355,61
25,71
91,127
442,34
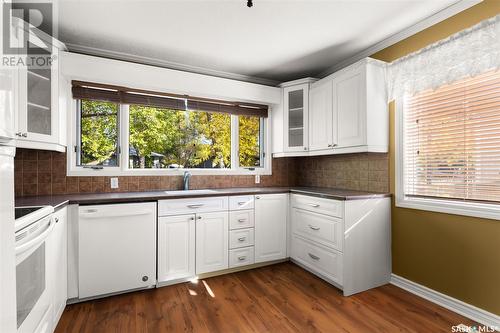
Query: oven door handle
x,y
39,239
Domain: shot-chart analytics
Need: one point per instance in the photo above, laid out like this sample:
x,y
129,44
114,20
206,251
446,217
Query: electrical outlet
x,y
257,179
114,182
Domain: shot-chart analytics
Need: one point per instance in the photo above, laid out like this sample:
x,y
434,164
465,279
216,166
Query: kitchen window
x,y
163,138
133,133
449,148
97,134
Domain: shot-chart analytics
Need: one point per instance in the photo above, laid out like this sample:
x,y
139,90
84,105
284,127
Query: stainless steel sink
x,y
206,191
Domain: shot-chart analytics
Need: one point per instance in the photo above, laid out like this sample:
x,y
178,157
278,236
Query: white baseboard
x,y
470,311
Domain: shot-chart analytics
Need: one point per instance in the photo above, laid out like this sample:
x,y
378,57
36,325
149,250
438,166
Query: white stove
x,y
33,226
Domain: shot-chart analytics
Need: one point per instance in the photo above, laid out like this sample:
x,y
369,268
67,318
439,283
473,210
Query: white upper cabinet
x,y
321,117
296,115
349,109
347,113
38,120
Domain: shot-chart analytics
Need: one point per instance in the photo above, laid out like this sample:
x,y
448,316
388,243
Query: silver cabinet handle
x,y
196,205
19,134
242,258
330,145
191,218
313,227
241,203
241,220
241,239
305,148
91,210
199,217
314,205
57,220
313,256
257,197
334,145
25,135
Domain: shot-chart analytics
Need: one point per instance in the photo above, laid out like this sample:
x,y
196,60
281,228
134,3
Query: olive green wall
x,y
456,255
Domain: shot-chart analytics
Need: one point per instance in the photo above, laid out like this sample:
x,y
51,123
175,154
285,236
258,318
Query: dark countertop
x,y
58,201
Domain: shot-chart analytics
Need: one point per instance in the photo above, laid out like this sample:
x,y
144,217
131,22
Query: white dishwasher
x,y
116,248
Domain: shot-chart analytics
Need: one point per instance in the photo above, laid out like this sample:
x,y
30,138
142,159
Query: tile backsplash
x,y
362,171
39,172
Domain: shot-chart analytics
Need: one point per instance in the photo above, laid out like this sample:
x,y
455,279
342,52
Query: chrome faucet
x,y
187,176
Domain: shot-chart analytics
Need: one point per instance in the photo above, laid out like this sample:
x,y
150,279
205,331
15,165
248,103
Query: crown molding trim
x,y
124,56
435,18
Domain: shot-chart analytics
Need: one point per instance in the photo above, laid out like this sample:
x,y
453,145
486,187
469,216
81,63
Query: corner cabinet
x,y
270,227
40,122
348,112
296,115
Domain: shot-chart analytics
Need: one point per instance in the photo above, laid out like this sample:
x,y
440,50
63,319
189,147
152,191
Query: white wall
x,y
75,66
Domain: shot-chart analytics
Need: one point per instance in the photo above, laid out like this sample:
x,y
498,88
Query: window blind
x,y
118,94
452,141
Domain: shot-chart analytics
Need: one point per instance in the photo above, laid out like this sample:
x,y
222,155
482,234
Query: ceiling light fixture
x,y
249,3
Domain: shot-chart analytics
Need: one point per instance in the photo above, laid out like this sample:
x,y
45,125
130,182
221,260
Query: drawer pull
x,y
195,205
241,220
313,256
313,205
313,227
242,258
241,203
242,239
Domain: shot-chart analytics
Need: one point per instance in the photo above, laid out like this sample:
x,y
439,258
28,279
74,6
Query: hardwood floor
x,y
278,298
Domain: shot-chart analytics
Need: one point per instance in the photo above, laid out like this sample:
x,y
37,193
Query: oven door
x,y
32,292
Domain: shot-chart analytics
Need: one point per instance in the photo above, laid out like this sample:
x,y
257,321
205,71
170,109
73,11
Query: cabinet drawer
x,y
319,259
241,202
241,219
241,238
241,257
318,205
189,206
319,228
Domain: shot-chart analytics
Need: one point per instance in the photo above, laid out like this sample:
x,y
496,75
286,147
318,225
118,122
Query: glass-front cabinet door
x,y
296,106
38,88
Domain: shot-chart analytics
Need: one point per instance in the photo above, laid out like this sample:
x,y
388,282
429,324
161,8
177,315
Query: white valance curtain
x,y
464,54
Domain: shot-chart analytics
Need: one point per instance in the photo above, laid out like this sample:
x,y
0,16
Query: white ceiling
x,y
276,40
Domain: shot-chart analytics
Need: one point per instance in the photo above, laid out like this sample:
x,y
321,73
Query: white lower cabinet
x,y
241,238
270,226
241,257
176,248
212,236
322,229
346,242
324,261
57,266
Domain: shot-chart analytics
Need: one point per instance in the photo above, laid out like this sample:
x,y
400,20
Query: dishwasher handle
x,y
96,214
